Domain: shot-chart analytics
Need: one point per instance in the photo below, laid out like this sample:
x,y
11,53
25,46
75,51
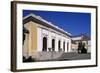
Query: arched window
x,y
67,46
64,46
44,44
53,44
59,42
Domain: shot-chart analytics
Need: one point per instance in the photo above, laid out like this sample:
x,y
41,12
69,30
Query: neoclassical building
x,y
43,40
40,35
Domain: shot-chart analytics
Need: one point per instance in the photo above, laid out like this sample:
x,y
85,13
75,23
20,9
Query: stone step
x,y
48,55
56,56
74,56
68,55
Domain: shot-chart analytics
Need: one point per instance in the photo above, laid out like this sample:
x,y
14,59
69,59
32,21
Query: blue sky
x,y
72,22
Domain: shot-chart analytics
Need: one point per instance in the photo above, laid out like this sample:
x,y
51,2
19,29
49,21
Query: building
x,y
83,39
40,35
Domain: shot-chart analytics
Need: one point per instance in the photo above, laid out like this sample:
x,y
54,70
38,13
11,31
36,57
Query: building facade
x,y
43,36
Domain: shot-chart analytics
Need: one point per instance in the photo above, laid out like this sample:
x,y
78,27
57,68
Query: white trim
x,y
49,23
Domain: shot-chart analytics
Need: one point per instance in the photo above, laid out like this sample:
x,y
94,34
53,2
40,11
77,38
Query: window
x,y
64,46
44,44
53,44
59,42
67,46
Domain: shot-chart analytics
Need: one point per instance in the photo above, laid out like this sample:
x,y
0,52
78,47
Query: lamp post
x,y
51,50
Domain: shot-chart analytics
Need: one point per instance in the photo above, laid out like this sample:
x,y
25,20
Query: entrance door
x,y
44,44
67,46
59,46
63,46
53,44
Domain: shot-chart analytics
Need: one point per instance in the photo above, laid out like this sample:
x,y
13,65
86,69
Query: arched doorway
x,y
64,46
59,48
53,44
44,44
67,46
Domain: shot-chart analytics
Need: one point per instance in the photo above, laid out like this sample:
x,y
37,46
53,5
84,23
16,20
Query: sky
x,y
72,22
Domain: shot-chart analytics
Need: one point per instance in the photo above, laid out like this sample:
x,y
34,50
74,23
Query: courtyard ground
x,y
64,56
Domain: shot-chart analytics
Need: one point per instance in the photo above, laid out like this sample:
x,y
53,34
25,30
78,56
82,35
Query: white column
x,y
49,40
39,39
56,43
66,45
69,45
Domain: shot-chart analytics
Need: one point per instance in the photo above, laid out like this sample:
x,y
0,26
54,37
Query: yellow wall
x,y
32,40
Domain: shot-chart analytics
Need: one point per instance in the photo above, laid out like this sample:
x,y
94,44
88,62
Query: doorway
x,y
44,44
53,44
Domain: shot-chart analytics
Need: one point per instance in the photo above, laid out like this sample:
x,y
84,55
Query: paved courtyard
x,y
63,56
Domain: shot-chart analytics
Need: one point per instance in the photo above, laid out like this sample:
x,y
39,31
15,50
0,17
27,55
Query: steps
x,y
74,56
48,55
61,56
